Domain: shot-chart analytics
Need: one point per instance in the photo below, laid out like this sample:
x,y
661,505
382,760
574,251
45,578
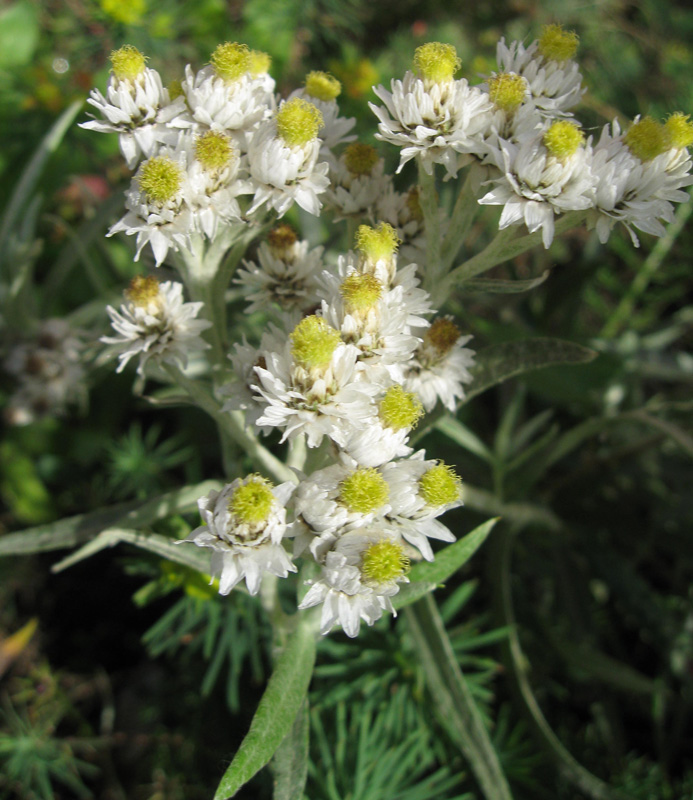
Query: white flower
x,y
403,212
436,121
335,129
155,323
244,525
283,159
357,183
136,106
359,577
286,275
440,365
542,179
555,85
158,211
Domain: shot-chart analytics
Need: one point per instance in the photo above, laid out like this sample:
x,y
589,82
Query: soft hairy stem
x,y
460,222
428,200
232,423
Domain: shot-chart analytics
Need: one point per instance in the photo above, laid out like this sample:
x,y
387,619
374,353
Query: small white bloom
x,y
440,366
244,525
155,323
359,577
358,181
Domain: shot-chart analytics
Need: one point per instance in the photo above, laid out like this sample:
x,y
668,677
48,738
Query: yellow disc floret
x,y
442,334
364,491
435,61
322,86
314,342
555,44
679,131
360,158
143,290
440,485
127,62
298,122
646,139
563,139
213,150
259,62
376,243
360,292
160,179
231,61
384,562
251,502
507,90
399,409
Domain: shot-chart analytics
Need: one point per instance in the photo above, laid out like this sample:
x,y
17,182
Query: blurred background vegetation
x,y
126,677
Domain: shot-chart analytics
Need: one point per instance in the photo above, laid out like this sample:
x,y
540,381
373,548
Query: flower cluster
x,y
49,372
519,127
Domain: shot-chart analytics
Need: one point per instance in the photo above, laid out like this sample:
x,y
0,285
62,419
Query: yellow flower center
x,y
436,62
142,290
377,243
160,178
298,122
679,130
507,90
127,62
360,158
384,562
442,334
360,292
563,139
259,62
251,502
213,150
313,342
231,61
555,44
646,139
400,409
365,490
322,86
440,485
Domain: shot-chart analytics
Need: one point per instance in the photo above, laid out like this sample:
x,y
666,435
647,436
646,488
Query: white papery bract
x,y
555,86
440,366
537,185
359,577
356,194
335,130
138,109
244,525
285,175
155,324
434,121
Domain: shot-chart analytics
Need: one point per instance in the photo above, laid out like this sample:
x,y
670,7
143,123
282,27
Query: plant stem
x,y
460,223
428,200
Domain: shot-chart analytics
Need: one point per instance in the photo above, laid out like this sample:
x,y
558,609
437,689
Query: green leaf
x,y
73,531
504,286
462,436
424,577
498,362
290,762
19,34
277,711
21,487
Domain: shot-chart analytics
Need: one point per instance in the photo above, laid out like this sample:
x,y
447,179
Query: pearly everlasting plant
x,y
324,363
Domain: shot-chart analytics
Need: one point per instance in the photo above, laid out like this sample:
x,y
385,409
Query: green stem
x,y
232,423
457,709
428,200
624,310
507,245
460,223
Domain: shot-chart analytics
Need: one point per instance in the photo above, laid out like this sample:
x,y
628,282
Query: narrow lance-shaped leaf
x,y
498,362
277,711
424,577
